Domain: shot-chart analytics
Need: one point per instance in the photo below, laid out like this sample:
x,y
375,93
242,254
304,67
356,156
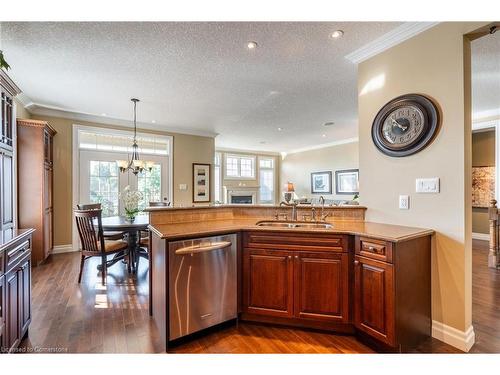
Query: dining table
x,y
132,229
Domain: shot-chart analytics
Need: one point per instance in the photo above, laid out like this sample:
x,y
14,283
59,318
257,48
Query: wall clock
x,y
405,125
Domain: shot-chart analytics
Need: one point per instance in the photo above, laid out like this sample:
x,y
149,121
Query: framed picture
x,y
201,183
347,181
321,182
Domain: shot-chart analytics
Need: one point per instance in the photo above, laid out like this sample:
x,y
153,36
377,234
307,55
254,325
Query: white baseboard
x,y
454,337
481,236
63,249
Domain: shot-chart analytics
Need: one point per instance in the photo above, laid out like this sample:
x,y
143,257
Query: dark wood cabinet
x,y
296,279
12,311
16,301
2,311
268,282
374,299
35,183
321,286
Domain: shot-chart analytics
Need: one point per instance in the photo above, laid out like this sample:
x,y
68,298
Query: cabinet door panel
x,y
7,191
25,296
2,311
374,299
12,333
322,286
268,282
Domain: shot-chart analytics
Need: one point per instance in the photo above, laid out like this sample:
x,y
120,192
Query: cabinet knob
x,y
356,262
289,257
371,248
296,257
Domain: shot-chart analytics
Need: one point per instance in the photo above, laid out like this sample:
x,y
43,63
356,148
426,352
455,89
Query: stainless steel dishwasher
x,y
202,283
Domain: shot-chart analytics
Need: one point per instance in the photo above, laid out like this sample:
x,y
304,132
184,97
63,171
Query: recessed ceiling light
x,y
329,123
323,135
252,45
103,114
153,121
337,34
262,142
280,129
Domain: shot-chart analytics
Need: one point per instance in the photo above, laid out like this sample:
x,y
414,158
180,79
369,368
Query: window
x,y
149,184
217,177
266,180
240,166
104,186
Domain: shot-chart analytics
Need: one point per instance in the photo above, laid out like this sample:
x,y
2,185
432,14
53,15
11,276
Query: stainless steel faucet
x,y
294,209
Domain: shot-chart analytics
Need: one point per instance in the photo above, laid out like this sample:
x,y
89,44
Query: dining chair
x,y
93,242
109,235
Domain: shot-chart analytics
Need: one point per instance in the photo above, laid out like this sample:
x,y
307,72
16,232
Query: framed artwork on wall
x,y
347,181
201,183
321,182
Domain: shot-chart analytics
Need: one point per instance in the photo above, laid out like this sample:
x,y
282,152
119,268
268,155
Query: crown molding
x,y
52,111
401,33
7,81
323,145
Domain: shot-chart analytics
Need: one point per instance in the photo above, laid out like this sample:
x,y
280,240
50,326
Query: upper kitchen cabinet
x,y
8,90
35,177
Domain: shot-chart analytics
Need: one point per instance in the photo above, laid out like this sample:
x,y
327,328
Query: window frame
x,y
239,157
273,169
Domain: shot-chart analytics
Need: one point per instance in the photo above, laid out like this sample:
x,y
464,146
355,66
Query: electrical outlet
x,y
183,187
404,202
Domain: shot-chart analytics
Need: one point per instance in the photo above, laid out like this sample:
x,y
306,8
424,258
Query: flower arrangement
x,y
131,199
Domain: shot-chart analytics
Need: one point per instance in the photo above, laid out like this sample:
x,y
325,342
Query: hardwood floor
x,y
90,318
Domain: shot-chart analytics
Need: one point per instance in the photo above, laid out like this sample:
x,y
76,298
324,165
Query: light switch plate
x,y
183,187
427,185
404,202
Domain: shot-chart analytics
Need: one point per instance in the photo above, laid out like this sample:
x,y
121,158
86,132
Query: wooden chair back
x,y
494,216
159,204
92,241
90,206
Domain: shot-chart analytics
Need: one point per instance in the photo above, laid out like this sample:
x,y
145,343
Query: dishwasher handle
x,y
201,248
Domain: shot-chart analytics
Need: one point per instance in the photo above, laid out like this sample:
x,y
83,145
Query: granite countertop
x,y
388,232
249,206
8,237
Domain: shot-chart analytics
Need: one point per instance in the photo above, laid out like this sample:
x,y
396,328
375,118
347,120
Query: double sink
x,y
287,224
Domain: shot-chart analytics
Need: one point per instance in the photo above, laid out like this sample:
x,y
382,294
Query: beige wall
x,y
187,150
20,111
483,154
297,167
436,63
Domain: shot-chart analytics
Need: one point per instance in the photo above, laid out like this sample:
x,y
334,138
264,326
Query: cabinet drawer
x,y
374,249
297,241
14,253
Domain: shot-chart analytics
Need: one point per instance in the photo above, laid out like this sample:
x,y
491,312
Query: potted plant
x,y
3,63
131,199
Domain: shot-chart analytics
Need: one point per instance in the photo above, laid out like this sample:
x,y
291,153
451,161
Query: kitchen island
x,y
341,274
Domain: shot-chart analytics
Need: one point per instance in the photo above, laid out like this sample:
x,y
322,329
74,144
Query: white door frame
x,y
76,167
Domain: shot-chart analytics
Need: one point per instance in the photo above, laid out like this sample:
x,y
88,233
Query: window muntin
x,y
149,184
266,180
240,166
104,186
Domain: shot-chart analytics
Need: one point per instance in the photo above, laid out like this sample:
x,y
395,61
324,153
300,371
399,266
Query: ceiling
x,y
486,76
198,77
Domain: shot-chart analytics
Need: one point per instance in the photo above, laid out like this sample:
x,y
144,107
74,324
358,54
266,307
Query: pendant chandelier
x,y
135,165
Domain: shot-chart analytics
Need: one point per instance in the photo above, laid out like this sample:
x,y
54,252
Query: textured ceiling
x,y
199,76
486,76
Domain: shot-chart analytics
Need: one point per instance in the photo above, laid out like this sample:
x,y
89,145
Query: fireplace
x,y
241,197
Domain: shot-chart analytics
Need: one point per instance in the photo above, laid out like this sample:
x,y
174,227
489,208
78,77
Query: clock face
x,y
405,125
